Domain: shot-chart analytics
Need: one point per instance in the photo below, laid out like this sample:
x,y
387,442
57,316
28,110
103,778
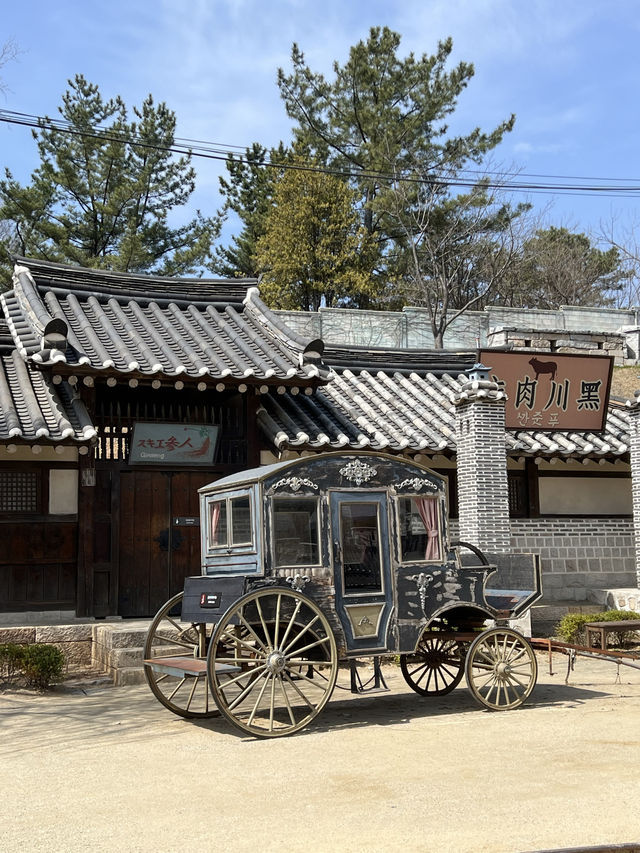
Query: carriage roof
x,y
255,475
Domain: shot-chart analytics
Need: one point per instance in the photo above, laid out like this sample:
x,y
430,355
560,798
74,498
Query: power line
x,y
218,151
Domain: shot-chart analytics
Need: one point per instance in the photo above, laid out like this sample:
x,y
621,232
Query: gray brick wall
x,y
483,497
634,453
578,555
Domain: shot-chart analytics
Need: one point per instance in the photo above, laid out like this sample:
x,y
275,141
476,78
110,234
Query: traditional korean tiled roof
x,y
33,409
103,322
397,412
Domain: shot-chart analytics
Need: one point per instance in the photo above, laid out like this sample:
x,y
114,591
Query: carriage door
x,y
362,570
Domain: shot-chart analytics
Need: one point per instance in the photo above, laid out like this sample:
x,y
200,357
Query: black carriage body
x,y
364,535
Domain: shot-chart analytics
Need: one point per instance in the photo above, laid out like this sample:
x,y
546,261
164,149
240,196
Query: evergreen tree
x,y
382,115
104,190
312,247
561,267
248,193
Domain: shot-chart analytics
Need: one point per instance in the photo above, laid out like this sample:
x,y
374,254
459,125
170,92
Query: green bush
x,y
571,626
11,655
38,664
42,664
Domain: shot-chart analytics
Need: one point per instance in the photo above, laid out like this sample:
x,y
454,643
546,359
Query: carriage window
x,y
295,531
419,529
230,522
360,539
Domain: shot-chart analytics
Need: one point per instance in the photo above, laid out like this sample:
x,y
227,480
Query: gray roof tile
x,y
396,412
120,323
32,408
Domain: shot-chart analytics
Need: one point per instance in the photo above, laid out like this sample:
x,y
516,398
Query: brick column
x,y
483,491
633,409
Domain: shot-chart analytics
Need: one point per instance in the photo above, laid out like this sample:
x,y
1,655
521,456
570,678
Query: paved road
x,y
111,770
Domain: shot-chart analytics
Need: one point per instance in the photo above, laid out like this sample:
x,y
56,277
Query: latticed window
x,y
518,497
19,491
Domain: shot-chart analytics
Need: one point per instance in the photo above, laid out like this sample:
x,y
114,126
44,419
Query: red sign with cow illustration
x,y
550,390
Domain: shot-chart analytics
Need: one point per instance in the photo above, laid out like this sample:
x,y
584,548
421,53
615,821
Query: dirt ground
x,y
101,768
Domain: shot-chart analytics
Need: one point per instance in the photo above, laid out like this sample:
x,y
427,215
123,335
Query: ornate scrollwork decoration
x,y
294,483
358,472
422,582
298,582
417,484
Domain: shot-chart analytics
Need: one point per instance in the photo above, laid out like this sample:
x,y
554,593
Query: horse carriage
x,y
324,560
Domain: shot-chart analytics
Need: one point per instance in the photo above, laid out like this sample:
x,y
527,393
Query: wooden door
x,y
159,545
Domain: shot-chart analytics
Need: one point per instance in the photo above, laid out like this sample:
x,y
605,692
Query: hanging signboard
x,y
550,391
172,445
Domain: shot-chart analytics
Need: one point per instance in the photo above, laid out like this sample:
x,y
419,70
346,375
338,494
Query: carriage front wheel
x,y
501,669
272,662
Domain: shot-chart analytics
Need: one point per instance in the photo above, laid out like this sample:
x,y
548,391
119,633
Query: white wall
x,y
585,496
63,491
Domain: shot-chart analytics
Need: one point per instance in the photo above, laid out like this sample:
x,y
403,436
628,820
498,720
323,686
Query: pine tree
x,y
312,247
104,190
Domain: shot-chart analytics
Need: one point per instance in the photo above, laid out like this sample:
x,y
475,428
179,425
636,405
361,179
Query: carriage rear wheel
x,y
272,662
175,662
436,666
501,669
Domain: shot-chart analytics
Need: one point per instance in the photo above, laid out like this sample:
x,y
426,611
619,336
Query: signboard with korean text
x,y
550,390
182,445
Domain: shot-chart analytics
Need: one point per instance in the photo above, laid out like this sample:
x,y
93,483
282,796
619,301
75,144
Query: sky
x,y
570,71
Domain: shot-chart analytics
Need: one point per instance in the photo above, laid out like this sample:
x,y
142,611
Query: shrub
x,y
38,664
42,664
571,626
11,655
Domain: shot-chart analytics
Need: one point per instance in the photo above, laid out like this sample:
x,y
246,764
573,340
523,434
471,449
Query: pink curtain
x,y
215,518
428,509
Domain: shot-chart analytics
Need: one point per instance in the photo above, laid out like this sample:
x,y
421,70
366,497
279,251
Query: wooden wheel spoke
x,y
316,664
177,687
265,681
321,642
420,668
244,692
273,702
238,678
286,699
298,691
251,631
175,641
285,649
191,695
264,626
292,620
239,641
277,625
512,679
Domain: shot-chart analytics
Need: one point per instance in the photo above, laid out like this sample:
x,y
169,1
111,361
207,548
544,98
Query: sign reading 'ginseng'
x,y
173,444
550,390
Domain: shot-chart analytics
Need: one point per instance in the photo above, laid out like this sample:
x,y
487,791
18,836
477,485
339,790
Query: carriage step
x,y
183,666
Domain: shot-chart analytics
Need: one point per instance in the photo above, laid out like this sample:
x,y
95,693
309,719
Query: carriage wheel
x,y
272,662
436,666
177,646
501,669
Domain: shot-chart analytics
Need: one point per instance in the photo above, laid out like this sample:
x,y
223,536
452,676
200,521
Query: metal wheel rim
x,y
435,668
501,669
167,637
285,659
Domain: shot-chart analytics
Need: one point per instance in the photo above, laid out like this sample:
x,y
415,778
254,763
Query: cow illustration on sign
x,y
543,367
